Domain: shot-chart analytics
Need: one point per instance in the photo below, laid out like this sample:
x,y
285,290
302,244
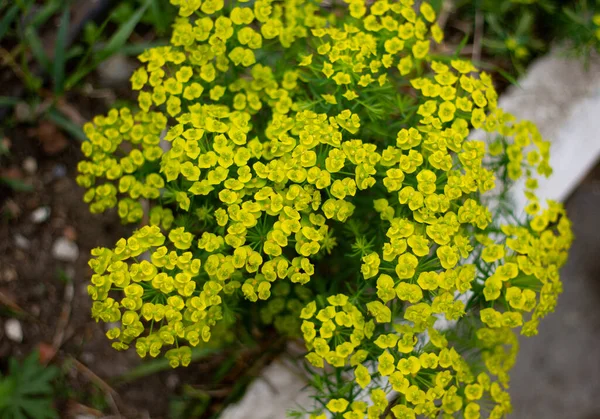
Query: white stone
x,y
40,215
65,250
13,330
281,387
116,70
22,242
30,165
562,97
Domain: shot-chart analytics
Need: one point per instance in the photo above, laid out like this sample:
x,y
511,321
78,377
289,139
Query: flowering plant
x,y
312,167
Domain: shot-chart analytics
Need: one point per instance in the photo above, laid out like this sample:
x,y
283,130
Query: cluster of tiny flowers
x,y
320,164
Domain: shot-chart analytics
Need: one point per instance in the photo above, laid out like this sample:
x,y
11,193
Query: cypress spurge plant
x,y
312,167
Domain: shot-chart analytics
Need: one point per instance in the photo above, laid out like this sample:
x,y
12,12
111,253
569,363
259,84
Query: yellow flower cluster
x,y
319,164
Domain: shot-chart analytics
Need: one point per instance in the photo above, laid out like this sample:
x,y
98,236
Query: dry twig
x,y
109,392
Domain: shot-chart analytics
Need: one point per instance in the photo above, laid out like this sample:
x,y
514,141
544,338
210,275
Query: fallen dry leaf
x,y
53,141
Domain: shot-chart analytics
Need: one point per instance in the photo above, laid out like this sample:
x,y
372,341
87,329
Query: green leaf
x,y
8,19
119,38
16,185
75,51
574,16
508,77
161,364
60,52
35,44
7,102
159,16
66,124
39,408
27,391
45,13
136,49
524,24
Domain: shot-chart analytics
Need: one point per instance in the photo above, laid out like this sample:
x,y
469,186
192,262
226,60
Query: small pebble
x,y
9,274
30,165
87,357
65,250
22,242
13,330
116,70
40,215
59,171
172,381
23,112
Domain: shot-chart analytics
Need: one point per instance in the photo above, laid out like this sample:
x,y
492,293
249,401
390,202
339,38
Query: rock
x,y
65,250
22,242
30,165
40,215
280,387
88,357
9,274
13,330
116,71
23,112
59,171
172,381
561,95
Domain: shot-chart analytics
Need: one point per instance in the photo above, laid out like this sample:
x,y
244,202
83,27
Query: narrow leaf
x,y
159,16
45,13
16,185
119,38
7,102
157,365
137,49
8,19
508,77
35,44
60,52
67,125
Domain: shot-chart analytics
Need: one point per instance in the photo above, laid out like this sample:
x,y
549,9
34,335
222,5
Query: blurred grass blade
x,y
137,49
574,16
508,77
37,49
16,184
60,52
75,51
7,102
159,16
119,38
67,125
8,19
160,364
45,13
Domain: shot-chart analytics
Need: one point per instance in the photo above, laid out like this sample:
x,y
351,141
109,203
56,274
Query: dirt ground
x,y
46,290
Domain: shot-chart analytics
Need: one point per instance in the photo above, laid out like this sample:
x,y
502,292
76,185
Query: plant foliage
x,y
314,168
